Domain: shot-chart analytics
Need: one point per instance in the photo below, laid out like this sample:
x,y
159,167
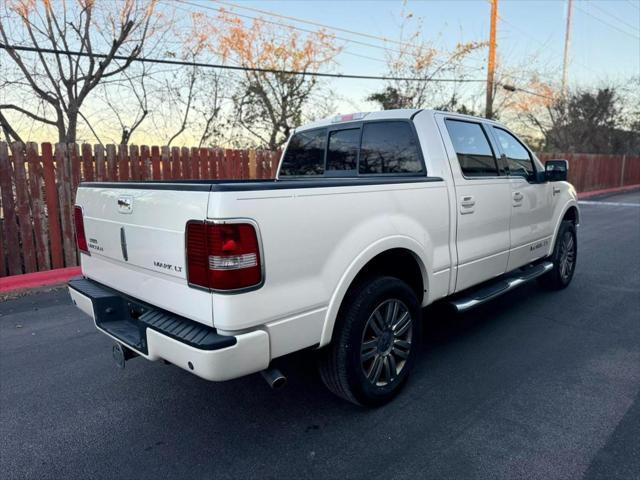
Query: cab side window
x,y
518,158
472,148
342,152
305,154
389,147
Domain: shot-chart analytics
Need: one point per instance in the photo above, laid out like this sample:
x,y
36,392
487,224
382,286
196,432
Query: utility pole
x,y
567,41
492,59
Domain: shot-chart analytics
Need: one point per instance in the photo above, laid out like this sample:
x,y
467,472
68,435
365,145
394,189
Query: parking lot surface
x,y
535,384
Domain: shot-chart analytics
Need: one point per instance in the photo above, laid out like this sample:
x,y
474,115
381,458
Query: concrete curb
x,y
37,279
607,191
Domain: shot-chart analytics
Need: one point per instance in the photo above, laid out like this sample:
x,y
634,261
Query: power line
x,y
306,30
346,52
541,43
607,23
280,24
616,18
316,24
253,69
233,67
635,4
527,34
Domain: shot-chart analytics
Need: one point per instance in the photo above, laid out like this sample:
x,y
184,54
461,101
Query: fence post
x,y
195,162
87,162
22,205
75,170
166,165
224,163
204,163
259,167
135,163
64,189
53,212
10,224
145,163
37,207
123,164
98,151
237,164
112,169
175,163
622,170
244,164
214,163
156,174
185,161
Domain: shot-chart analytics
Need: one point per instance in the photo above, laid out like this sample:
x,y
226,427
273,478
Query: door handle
x,y
556,190
466,205
468,202
517,196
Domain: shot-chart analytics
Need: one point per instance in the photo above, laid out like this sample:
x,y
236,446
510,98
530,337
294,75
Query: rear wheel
x,y
564,257
374,342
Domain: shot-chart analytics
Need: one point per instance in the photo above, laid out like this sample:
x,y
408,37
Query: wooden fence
x,y
38,187
589,171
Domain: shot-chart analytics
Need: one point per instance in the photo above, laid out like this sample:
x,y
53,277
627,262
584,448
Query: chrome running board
x,y
494,288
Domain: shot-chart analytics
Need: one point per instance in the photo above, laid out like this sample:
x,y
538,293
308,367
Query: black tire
x,y
564,258
355,347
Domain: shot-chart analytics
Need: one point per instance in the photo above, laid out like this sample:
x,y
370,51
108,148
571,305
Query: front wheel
x,y
374,342
564,258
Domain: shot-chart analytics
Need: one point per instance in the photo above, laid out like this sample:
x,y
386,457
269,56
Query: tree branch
x,y
90,127
25,71
183,126
9,132
28,114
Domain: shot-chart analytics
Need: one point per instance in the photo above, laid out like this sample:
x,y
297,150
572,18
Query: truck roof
x,y
403,113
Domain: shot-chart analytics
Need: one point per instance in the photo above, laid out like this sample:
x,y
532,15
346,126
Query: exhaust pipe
x,y
121,354
274,378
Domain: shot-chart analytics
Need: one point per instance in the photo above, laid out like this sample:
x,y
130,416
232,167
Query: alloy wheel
x,y
386,342
567,255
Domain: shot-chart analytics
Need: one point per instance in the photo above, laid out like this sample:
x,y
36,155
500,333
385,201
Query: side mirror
x,y
556,170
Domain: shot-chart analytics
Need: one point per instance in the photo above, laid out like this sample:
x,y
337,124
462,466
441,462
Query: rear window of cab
x,y
370,148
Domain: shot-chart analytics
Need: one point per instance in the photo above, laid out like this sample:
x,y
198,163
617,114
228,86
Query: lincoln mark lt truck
x,y
371,217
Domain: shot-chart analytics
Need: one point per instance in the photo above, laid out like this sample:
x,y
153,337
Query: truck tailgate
x,y
136,237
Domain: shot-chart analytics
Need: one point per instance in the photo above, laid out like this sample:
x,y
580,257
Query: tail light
x,y
81,238
223,256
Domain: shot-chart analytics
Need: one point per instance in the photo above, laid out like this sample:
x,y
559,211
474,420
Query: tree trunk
x,y
72,125
273,144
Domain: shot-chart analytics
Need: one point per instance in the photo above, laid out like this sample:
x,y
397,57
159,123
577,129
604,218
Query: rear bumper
x,y
156,334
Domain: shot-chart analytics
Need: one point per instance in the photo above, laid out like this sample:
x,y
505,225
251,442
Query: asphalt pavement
x,y
536,384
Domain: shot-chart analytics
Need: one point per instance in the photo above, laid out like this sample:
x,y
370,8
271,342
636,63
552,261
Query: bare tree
x,y
63,81
181,89
413,57
187,103
137,96
268,106
213,119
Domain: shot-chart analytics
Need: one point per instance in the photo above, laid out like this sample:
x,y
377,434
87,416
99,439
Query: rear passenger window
x,y
305,154
389,147
518,157
472,147
342,153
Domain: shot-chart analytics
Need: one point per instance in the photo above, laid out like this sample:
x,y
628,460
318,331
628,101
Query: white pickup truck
x,y
371,217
